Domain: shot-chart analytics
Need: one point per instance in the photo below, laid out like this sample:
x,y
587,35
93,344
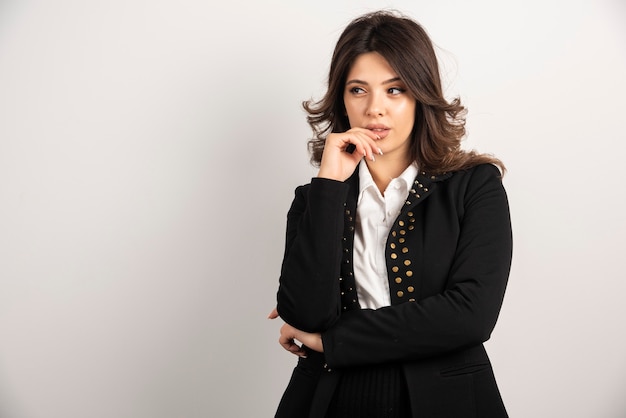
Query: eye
x,y
396,90
356,90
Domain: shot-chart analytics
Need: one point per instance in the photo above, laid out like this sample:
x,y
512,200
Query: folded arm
x,y
308,294
464,314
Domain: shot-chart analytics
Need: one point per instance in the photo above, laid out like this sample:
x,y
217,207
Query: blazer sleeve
x,y
463,315
308,294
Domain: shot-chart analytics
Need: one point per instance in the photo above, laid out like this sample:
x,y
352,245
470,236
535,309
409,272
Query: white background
x,y
148,156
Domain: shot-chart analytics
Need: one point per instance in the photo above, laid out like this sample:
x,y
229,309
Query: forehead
x,y
371,65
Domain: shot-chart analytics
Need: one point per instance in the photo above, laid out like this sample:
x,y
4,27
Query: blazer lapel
x,y
404,259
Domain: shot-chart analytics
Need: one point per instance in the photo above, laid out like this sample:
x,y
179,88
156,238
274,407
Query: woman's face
x,y
375,98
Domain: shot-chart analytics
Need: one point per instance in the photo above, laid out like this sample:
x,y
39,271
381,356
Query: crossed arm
x,y
463,314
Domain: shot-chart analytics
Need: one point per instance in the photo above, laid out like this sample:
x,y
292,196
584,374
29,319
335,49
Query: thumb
x,y
273,314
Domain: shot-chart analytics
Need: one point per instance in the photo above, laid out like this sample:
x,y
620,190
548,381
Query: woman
x,y
398,252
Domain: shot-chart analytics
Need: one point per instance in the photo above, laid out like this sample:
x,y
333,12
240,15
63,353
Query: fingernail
x,y
380,152
372,158
377,137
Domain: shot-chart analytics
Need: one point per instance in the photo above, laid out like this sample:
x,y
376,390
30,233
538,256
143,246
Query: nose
x,y
375,105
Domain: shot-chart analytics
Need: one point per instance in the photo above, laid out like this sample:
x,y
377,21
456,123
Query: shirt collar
x,y
365,178
366,181
408,175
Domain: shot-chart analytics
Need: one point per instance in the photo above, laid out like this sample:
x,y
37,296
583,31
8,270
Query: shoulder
x,y
476,176
478,172
475,184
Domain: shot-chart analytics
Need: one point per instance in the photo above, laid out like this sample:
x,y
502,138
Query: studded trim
x,y
347,283
403,280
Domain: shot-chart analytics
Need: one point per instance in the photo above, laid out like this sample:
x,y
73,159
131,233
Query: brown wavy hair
x,y
439,124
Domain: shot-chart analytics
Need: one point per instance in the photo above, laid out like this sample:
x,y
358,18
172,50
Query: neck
x,y
383,170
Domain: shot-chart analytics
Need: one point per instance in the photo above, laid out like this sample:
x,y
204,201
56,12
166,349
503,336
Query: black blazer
x,y
448,258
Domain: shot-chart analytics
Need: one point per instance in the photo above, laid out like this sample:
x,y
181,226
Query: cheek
x,y
406,107
408,113
352,111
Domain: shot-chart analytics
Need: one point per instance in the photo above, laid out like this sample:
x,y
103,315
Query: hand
x,y
289,335
337,164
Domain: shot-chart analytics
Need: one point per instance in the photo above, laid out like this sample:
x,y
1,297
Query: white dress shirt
x,y
375,215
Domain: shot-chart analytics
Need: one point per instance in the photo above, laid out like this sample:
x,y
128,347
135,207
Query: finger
x,y
273,314
364,143
347,141
370,138
287,337
287,340
291,346
350,142
288,344
365,134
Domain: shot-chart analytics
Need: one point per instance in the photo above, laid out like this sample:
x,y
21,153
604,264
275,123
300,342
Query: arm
x,y
308,294
464,314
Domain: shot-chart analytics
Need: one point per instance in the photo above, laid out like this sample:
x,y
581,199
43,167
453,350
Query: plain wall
x,y
148,156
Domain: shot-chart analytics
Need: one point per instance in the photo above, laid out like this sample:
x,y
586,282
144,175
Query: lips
x,y
380,130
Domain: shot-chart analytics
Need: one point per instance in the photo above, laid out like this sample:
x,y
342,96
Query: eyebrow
x,y
356,81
